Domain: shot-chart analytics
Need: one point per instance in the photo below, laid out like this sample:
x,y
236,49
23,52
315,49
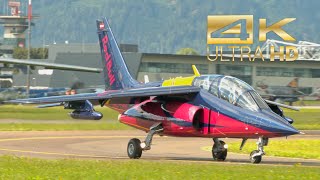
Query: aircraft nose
x,y
279,125
288,129
283,127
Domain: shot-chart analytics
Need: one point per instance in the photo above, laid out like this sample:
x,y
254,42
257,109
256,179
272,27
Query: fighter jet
x,y
205,106
289,93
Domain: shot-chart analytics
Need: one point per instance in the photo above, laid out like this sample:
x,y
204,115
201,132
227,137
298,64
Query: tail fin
x,y
116,74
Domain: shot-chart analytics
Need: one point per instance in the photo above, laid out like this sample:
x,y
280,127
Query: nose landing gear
x,y
256,155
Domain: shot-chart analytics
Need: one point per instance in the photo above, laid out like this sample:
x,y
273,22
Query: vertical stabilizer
x,y
116,74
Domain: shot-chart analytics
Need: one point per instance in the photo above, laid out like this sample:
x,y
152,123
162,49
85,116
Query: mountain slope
x,y
162,26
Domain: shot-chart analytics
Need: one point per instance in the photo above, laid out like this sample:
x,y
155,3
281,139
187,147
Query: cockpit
x,y
233,90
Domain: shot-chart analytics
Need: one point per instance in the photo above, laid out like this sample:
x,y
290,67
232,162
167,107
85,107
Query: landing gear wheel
x,y
134,149
219,153
255,159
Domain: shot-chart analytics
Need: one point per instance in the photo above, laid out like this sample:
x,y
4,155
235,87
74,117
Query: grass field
x,y
305,119
306,103
307,148
109,122
25,168
27,112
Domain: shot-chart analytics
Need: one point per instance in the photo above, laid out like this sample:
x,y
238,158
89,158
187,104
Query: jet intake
x,y
187,112
276,109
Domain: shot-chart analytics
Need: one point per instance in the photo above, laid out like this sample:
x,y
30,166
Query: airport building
x,y
156,66
164,66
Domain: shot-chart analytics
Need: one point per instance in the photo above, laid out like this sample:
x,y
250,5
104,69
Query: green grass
x,y
27,168
305,119
109,122
306,103
307,148
26,112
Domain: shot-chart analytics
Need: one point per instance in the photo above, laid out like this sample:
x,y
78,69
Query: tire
x,y
134,149
220,155
256,159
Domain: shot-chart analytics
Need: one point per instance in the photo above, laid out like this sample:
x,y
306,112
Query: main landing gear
x,y
256,155
135,146
219,150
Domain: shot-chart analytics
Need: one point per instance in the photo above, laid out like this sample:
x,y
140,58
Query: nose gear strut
x,y
256,155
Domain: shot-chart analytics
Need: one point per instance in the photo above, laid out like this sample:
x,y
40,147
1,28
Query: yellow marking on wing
x,y
179,81
182,81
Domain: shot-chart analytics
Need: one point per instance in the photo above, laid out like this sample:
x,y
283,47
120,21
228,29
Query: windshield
x,y
233,90
246,101
261,103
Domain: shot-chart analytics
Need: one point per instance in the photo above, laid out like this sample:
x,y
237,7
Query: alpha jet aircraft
x,y
207,106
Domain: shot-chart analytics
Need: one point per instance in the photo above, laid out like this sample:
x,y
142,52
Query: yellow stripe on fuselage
x,y
182,81
179,81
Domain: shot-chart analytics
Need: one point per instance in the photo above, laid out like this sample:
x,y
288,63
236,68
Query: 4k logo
x,y
238,29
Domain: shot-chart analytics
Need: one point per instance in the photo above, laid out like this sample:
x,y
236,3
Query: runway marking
x,y
59,137
52,153
65,137
102,156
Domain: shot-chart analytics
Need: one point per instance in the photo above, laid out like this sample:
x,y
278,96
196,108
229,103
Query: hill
x,y
162,26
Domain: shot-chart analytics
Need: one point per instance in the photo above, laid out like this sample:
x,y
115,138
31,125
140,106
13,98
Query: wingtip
x,y
17,101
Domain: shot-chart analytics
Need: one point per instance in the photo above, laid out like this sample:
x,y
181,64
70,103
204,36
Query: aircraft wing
x,y
50,65
279,96
282,105
113,94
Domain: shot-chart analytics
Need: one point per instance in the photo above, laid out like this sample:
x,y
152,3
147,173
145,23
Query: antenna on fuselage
x,y
195,70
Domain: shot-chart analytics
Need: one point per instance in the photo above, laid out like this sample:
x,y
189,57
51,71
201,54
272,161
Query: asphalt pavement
x,y
104,145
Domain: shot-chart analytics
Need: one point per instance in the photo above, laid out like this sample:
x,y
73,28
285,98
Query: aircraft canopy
x,y
233,90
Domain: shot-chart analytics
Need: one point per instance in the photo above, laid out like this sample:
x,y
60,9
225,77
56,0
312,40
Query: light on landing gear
x,y
143,145
225,146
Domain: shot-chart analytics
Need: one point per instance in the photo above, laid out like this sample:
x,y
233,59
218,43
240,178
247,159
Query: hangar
x,y
164,66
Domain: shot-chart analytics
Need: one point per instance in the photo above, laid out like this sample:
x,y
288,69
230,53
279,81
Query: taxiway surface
x,y
112,145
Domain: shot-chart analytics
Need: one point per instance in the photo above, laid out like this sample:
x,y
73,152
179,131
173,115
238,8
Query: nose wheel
x,y
255,158
256,155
